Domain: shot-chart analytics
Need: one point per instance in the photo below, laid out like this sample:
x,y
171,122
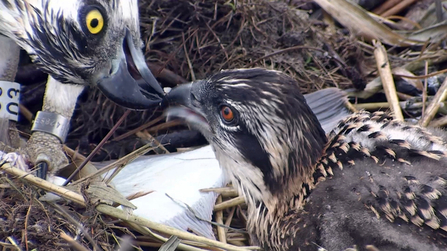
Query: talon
x,y
42,170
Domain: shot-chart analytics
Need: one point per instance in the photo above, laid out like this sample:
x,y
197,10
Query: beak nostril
x,y
114,66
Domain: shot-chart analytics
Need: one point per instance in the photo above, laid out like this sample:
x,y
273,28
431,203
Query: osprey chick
x,y
372,181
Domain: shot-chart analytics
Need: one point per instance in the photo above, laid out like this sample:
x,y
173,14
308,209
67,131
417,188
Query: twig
x,y
438,8
360,23
165,125
376,85
122,161
229,203
282,51
398,8
191,69
147,232
7,246
26,113
385,6
224,191
375,105
26,226
415,24
439,122
422,76
171,244
148,138
230,218
78,225
14,243
384,68
140,128
169,77
424,90
72,242
217,39
433,107
77,159
47,186
99,146
219,219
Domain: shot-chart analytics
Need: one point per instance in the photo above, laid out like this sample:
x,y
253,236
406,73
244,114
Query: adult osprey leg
x,y
44,147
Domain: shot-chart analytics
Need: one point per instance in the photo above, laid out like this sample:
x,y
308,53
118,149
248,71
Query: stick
x,y
47,186
383,66
221,236
99,146
229,203
385,6
398,8
433,107
72,242
439,122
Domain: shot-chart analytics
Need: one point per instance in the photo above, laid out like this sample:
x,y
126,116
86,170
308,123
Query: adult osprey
x,y
79,43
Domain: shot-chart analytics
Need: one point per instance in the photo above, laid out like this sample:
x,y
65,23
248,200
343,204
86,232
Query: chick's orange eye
x,y
226,113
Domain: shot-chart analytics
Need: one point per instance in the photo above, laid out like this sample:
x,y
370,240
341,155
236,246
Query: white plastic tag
x,y
9,100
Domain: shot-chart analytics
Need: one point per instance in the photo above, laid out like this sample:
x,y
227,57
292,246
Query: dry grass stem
x,y
219,219
121,162
359,22
384,68
424,90
140,128
229,203
385,6
45,185
97,148
76,245
434,105
439,122
224,191
397,8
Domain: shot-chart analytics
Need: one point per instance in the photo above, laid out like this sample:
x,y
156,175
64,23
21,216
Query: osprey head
x,y
86,42
263,132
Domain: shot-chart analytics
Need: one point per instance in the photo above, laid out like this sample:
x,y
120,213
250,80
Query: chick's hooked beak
x,y
130,83
185,109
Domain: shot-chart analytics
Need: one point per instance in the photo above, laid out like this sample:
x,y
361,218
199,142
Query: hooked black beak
x,y
184,109
130,82
180,95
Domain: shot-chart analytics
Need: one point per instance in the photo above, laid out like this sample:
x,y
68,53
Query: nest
x,y
185,41
28,224
197,38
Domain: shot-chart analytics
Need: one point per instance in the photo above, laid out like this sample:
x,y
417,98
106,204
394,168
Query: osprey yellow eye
x,y
94,21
